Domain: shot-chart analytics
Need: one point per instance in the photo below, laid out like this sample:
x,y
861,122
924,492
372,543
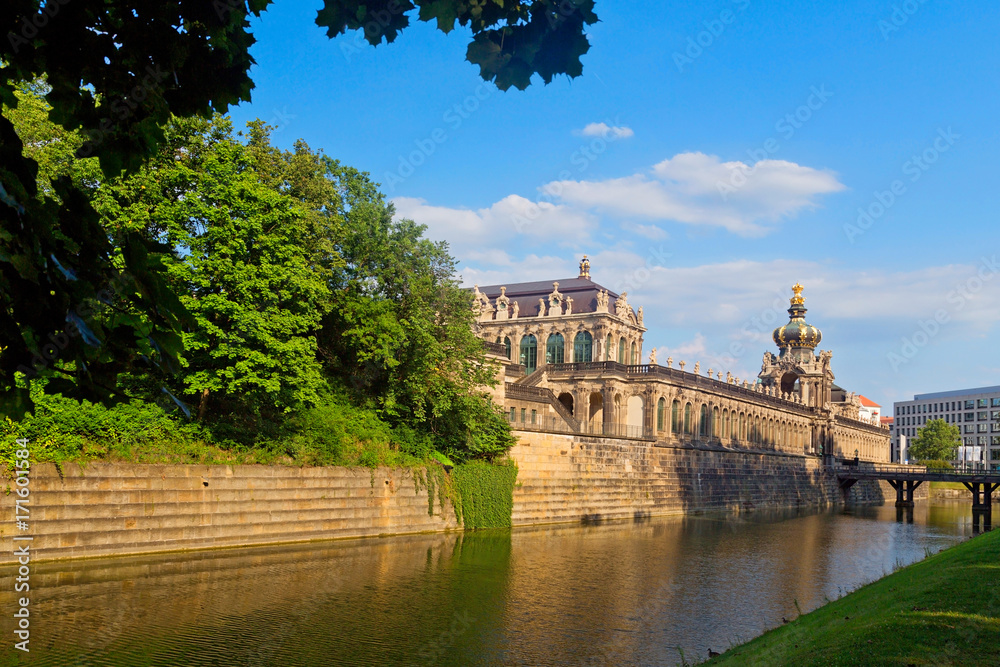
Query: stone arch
x,y
566,399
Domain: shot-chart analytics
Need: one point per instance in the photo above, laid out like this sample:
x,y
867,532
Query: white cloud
x,y
606,131
471,233
651,232
698,189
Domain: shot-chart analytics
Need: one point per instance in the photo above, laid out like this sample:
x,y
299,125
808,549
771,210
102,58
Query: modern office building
x,y
976,412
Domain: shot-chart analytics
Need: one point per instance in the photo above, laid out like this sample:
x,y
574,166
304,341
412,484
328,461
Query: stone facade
x,y
586,361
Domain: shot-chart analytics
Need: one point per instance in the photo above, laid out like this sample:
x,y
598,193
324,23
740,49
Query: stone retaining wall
x,y
111,509
574,478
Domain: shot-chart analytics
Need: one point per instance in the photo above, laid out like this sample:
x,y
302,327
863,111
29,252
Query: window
x,y
995,427
995,402
970,416
675,417
529,353
716,424
583,347
981,403
513,414
995,415
555,349
633,359
687,418
995,440
661,413
969,405
981,416
981,440
995,455
607,350
523,412
506,345
621,350
981,428
969,428
703,421
534,416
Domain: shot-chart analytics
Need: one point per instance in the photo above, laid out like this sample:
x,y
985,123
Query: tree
x,y
936,441
117,73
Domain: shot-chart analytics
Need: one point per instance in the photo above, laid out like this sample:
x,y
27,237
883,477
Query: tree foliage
x,y
117,73
306,295
935,441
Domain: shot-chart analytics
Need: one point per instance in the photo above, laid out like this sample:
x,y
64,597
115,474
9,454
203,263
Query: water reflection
x,y
639,592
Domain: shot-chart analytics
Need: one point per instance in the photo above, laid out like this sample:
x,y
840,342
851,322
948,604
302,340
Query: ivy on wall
x,y
485,493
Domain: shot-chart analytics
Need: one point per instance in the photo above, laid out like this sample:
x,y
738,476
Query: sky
x,y
711,155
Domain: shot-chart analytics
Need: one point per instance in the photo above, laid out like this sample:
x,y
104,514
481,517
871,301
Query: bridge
x,y
906,478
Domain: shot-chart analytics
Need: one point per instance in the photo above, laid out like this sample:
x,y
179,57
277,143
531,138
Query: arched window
x,y
555,349
608,350
687,419
725,424
582,347
743,427
506,345
661,414
632,358
675,417
621,350
703,421
529,353
716,425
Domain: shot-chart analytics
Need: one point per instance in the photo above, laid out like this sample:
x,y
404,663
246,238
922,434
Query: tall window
x,y
716,424
703,421
555,349
675,417
661,414
631,356
582,347
621,350
608,349
529,353
687,419
506,345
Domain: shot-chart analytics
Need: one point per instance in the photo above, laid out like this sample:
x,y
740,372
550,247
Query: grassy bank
x,y
944,610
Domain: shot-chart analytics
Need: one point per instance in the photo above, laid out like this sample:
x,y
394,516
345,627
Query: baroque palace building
x,y
571,352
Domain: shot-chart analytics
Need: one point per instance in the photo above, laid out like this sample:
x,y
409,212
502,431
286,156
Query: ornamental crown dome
x,y
797,333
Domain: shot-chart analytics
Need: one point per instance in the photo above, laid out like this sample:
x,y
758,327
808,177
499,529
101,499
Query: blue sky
x,y
711,155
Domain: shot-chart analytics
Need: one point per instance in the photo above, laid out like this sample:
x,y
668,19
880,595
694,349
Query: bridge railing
x,y
850,467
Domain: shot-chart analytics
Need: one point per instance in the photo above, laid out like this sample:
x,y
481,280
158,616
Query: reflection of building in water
x,y
572,352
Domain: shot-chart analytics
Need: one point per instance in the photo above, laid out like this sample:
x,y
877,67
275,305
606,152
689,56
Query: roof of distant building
x,y
956,392
886,420
868,403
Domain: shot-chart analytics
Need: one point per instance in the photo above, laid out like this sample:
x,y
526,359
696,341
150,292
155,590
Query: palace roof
x,y
583,291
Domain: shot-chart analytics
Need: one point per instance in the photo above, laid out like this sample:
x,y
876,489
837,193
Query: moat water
x,y
619,593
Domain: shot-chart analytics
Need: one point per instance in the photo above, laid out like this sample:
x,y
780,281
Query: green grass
x,y
944,610
948,485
